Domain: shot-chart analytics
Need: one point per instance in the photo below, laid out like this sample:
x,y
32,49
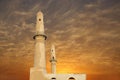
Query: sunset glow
x,y
86,35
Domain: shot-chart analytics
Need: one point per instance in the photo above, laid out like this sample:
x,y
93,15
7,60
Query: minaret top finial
x,y
39,13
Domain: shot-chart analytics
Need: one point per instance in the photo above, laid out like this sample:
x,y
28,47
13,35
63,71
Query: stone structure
x,y
38,72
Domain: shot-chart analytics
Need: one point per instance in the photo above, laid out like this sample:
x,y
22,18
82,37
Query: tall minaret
x,y
53,60
40,37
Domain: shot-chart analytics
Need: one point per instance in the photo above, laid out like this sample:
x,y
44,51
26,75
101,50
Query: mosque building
x,y
38,71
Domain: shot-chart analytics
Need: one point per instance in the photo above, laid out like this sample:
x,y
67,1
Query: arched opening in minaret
x,y
71,78
53,78
39,19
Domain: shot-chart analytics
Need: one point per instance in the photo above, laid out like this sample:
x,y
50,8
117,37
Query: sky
x,y
86,34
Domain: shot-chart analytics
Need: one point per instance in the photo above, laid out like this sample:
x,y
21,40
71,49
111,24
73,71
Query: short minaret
x,y
40,37
53,60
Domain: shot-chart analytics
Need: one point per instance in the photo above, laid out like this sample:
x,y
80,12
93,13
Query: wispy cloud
x,y
86,34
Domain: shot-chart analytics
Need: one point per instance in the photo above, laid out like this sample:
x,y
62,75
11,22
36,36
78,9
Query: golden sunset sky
x,y
86,34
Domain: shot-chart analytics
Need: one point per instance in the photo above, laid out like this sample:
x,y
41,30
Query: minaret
x,y
38,71
40,37
53,60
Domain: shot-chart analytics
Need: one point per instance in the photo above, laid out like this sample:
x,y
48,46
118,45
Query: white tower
x,y
53,60
40,37
39,57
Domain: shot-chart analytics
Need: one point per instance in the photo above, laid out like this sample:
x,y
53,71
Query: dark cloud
x,y
86,34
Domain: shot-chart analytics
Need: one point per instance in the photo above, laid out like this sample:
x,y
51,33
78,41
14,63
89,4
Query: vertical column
x,y
53,60
40,37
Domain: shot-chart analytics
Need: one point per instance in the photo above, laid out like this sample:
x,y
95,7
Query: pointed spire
x,y
39,23
53,56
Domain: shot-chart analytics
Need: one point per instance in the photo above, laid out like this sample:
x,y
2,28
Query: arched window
x,y
71,78
39,19
53,78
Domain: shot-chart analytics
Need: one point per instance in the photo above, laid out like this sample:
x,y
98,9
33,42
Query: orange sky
x,y
86,34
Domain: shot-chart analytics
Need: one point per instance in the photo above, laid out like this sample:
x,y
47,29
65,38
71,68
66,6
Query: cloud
x,y
85,33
